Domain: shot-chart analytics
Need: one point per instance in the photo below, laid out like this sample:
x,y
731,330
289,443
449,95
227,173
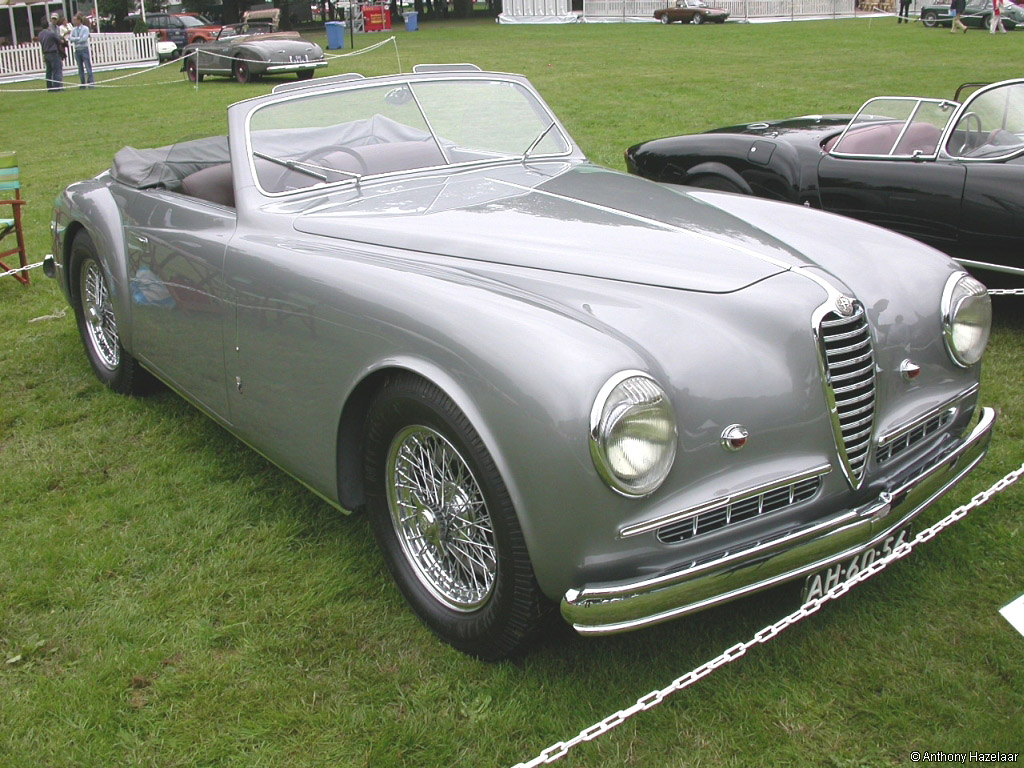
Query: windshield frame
x,y
861,120
547,122
966,109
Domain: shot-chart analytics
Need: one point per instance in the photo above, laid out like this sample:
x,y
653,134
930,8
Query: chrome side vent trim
x,y
743,507
848,372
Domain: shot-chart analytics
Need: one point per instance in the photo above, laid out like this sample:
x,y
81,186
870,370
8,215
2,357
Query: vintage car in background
x,y
977,14
950,174
250,50
544,381
691,11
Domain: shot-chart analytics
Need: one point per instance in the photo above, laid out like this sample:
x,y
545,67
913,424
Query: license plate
x,y
817,584
299,59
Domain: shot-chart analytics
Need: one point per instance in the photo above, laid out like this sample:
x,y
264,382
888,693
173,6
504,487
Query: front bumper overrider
x,y
601,609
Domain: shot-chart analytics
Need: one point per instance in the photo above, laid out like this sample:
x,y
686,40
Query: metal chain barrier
x,y
654,698
21,269
1006,291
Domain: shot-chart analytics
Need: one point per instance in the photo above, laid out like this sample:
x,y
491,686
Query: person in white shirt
x,y
79,38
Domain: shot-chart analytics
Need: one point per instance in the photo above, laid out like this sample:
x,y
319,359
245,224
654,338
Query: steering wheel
x,y
969,132
319,154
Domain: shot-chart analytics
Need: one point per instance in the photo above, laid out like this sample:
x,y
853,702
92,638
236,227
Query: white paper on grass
x,y
1014,613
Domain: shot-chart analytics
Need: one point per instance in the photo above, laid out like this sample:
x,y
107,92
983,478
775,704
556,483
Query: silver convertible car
x,y
547,383
249,51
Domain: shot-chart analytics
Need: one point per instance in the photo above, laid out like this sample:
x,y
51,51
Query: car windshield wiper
x,y
292,165
538,140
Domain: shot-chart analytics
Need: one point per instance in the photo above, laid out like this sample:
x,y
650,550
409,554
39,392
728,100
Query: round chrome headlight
x,y
633,434
966,318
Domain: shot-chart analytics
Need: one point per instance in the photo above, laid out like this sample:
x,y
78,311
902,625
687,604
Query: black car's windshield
x,y
895,127
381,129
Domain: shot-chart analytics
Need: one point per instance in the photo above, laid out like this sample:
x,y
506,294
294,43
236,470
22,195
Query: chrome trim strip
x,y
900,430
722,501
993,267
606,609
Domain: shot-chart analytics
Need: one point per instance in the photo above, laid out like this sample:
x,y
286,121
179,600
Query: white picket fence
x,y
105,49
644,9
536,7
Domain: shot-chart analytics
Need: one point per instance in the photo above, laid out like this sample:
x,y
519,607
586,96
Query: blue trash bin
x,y
410,21
335,34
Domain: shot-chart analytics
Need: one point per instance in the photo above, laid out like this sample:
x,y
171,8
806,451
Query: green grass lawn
x,y
168,598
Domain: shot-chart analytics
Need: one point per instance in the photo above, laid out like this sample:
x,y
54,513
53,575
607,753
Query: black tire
x,y
94,314
306,74
449,533
242,72
714,182
664,19
698,18
192,71
930,18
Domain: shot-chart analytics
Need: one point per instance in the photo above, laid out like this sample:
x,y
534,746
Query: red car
x,y
182,28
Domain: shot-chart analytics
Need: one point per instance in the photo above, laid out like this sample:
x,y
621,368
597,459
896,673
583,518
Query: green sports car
x,y
977,14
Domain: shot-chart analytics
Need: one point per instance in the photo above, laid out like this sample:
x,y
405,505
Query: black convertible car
x,y
950,174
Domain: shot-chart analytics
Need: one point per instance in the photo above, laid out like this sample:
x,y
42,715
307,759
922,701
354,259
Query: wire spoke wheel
x,y
445,523
441,518
93,302
100,324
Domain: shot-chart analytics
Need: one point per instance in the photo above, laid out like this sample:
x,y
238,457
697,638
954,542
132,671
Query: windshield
x,y
194,21
344,135
895,127
991,125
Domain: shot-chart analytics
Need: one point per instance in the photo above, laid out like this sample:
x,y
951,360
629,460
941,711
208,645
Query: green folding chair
x,y
10,187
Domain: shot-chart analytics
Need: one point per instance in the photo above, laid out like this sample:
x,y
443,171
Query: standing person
x,y
49,41
64,26
904,14
957,8
80,39
997,17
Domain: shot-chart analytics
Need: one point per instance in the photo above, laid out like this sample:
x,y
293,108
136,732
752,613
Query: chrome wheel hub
x,y
100,325
441,519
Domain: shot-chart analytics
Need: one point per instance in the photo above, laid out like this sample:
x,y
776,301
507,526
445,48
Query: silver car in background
x,y
547,383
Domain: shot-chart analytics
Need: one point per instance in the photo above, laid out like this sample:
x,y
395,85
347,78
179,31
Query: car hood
x,y
810,127
579,219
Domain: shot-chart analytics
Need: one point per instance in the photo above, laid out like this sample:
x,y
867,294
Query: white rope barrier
x,y
107,82
558,750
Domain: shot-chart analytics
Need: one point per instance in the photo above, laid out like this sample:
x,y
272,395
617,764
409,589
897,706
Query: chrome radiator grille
x,y
849,368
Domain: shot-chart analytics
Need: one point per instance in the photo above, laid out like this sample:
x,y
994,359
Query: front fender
x,y
90,206
765,167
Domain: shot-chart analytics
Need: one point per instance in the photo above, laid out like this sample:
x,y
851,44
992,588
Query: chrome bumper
x,y
603,609
295,66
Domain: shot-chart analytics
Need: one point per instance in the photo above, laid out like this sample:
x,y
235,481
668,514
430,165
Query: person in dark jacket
x,y
53,49
957,8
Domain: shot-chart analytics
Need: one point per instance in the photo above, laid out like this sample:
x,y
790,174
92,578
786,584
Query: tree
x,y
119,10
211,9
